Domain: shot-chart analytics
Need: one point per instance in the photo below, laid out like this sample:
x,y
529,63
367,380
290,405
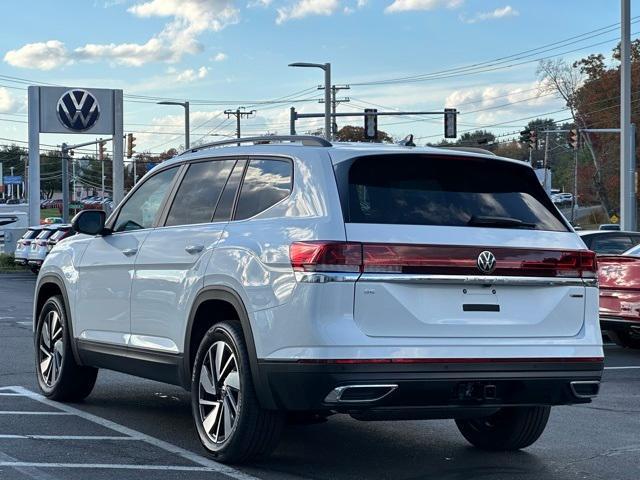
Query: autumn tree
x,y
350,133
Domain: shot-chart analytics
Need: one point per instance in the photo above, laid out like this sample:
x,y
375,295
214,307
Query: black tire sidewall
x,y
232,335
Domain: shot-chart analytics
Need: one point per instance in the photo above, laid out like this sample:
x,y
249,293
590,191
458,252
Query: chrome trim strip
x,y
584,382
319,277
474,279
335,395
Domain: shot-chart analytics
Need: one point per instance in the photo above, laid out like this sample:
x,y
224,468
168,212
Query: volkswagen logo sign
x,y
486,262
78,110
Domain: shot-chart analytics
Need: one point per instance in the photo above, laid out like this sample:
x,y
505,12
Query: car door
x,y
170,266
106,268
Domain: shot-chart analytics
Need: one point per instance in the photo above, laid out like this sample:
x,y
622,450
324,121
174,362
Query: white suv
x,y
290,274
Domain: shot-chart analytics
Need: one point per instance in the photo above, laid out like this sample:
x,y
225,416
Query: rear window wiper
x,y
498,222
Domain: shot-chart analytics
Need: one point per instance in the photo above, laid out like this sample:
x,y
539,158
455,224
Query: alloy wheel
x,y
51,348
219,392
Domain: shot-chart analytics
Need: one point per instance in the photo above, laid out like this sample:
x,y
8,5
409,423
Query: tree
x,y
350,133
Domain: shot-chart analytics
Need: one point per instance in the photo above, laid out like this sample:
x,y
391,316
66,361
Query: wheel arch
x,y
47,286
233,299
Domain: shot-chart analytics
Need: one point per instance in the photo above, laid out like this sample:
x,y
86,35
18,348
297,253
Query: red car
x,y
619,277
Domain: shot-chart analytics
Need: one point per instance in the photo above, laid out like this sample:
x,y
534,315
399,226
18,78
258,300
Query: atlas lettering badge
x,y
78,110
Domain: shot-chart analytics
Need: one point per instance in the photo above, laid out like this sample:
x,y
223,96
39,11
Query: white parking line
x,y
18,412
204,464
66,437
628,367
107,466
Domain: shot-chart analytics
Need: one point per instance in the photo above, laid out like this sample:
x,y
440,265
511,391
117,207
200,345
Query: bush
x,y
6,263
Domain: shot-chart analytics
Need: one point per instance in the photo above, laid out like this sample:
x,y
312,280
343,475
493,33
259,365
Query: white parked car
x,y
290,274
44,242
23,246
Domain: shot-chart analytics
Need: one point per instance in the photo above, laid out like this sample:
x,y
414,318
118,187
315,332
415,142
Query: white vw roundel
x,y
486,262
78,109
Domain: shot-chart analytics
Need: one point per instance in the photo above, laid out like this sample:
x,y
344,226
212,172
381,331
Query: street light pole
x,y
327,92
627,157
184,105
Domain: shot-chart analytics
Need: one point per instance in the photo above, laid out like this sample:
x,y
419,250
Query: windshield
x,y
447,191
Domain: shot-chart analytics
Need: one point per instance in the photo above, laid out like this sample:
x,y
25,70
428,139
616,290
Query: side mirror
x,y
90,222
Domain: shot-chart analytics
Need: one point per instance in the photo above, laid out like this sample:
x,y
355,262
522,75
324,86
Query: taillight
x,y
326,256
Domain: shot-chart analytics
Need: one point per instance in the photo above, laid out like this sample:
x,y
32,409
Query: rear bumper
x,y
431,389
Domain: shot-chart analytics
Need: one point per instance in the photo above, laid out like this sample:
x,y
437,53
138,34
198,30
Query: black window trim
x,y
262,157
111,221
162,220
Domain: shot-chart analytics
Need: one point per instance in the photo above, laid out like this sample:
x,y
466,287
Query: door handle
x,y
193,249
130,251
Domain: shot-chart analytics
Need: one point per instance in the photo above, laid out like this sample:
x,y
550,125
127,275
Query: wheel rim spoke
x,y
219,392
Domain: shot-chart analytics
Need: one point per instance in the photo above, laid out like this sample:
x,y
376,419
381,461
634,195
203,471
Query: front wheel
x,y
230,422
59,376
510,428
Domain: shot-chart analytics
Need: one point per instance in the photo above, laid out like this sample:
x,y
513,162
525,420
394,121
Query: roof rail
x,y
306,140
470,149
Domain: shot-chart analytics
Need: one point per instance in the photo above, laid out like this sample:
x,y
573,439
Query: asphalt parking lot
x,y
130,428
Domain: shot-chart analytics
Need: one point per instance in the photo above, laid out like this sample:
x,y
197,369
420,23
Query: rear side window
x,y
199,191
266,182
448,191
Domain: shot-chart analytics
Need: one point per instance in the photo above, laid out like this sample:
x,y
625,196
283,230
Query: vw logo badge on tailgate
x,y
486,262
78,110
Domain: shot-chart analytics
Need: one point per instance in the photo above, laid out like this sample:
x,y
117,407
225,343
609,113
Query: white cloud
x,y
179,37
362,3
191,75
305,8
220,57
498,13
40,55
411,5
7,102
259,3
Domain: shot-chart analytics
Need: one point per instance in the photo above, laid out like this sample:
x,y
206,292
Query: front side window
x,y
266,182
199,191
141,209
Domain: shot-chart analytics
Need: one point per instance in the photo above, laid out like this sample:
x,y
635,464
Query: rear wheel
x,y
510,428
625,339
59,376
230,422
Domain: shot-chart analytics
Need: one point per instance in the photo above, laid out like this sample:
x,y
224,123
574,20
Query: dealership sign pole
x,y
62,110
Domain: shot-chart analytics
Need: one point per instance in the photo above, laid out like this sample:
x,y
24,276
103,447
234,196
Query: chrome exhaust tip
x,y
359,393
585,388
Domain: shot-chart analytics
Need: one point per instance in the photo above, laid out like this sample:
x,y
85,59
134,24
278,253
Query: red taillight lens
x,y
326,256
438,259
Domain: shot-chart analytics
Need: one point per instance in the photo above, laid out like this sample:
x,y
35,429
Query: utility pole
x,y
238,114
627,156
334,104
545,163
574,203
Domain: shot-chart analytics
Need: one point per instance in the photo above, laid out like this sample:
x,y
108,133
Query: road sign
x,y
12,179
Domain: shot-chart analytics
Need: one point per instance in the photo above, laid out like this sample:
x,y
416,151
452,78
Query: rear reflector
x,y
319,256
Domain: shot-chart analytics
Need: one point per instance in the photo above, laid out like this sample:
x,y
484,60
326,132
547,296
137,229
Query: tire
x,y
510,428
625,339
59,376
231,425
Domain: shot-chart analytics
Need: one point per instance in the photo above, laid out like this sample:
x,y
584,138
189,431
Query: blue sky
x,y
236,53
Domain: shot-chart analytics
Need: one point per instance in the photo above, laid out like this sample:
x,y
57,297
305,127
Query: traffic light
x,y
371,124
130,144
529,138
573,139
101,150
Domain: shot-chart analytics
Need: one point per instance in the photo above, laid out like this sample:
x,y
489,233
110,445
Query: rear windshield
x,y
445,190
44,234
29,234
58,234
